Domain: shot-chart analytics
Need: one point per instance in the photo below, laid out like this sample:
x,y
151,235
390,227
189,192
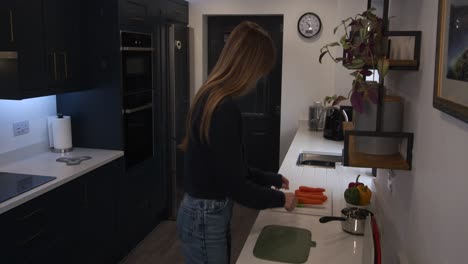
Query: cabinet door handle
x,y
12,34
30,239
66,65
20,219
86,200
55,67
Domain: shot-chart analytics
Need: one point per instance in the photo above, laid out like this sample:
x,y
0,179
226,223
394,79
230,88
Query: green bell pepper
x,y
352,196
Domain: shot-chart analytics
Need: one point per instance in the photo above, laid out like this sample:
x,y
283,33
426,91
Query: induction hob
x,y
14,184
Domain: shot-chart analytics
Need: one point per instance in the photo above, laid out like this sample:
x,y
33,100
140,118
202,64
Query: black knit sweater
x,y
218,169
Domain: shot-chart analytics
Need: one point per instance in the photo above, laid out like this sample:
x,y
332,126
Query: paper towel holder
x,y
61,150
51,147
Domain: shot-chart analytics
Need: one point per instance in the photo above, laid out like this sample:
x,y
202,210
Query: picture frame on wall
x,y
451,70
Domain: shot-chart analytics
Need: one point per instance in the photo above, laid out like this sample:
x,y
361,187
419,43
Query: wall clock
x,y
309,25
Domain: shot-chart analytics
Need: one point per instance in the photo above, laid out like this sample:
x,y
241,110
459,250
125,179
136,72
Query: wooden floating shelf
x,y
354,158
396,161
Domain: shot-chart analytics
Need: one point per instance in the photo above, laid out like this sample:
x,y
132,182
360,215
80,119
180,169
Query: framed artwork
x,y
451,71
404,49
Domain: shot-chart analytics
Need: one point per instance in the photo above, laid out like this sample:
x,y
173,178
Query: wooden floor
x,y
162,246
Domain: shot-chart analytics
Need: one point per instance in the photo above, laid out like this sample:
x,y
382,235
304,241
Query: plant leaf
x,y
334,44
383,66
356,64
329,99
354,73
365,72
343,40
335,29
372,94
339,99
357,101
321,56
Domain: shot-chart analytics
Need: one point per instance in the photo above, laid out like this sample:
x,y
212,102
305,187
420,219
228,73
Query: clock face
x,y
309,25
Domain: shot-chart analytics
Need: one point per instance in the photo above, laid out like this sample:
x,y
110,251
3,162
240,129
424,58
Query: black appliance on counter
x,y
14,184
137,83
334,119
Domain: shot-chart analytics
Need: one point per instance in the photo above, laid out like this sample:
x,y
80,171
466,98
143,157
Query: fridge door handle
x,y
172,84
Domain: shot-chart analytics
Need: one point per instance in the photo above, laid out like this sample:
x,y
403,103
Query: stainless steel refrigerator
x,y
179,102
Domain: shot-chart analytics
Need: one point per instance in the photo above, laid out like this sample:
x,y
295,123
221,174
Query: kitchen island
x,y
333,244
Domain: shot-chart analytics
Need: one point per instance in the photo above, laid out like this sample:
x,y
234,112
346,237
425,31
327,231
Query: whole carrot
x,y
308,201
319,196
310,189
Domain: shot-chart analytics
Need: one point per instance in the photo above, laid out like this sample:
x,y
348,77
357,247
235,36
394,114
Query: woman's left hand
x,y
284,183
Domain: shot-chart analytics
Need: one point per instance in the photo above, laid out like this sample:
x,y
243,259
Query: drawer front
x,y
27,230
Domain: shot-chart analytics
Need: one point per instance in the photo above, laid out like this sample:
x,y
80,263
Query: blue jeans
x,y
204,228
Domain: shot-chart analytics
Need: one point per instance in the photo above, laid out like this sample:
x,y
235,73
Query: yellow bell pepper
x,y
364,195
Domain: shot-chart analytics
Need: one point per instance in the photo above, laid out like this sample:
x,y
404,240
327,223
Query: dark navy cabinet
x,y
22,34
7,25
134,12
46,44
138,212
62,20
74,223
176,11
45,39
98,214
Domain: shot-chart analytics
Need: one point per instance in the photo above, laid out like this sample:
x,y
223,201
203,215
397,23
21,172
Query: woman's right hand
x,y
289,201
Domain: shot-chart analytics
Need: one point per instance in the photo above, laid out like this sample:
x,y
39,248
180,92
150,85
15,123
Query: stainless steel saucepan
x,y
353,220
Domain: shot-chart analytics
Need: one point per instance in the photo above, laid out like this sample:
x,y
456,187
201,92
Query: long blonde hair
x,y
248,55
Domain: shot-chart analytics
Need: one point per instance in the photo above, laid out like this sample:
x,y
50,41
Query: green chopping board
x,y
284,244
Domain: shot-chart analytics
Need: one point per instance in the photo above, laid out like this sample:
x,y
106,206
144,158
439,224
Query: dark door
x,y
261,109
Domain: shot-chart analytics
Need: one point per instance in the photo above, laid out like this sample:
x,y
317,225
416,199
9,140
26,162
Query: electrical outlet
x,y
20,128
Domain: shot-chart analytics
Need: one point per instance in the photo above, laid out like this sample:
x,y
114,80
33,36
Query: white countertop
x,y
333,244
45,164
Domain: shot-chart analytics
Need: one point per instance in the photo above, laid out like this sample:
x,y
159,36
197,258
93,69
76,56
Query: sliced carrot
x,y
310,189
308,201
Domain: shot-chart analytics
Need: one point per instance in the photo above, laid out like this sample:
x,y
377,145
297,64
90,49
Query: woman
x,y
216,172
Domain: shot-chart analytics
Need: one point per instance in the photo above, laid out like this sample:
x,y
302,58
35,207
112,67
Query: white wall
x,y
304,80
424,217
35,110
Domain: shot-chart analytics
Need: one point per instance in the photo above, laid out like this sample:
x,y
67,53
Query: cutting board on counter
x,y
284,244
311,177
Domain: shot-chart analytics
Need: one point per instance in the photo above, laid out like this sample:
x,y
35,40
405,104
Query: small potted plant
x,y
363,49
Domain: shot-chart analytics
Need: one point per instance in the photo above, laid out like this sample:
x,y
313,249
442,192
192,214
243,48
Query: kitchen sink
x,y
319,160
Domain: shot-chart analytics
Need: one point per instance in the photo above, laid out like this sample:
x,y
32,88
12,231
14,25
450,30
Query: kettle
x,y
334,119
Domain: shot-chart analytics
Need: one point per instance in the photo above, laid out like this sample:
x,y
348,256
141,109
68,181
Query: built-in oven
x,y
137,66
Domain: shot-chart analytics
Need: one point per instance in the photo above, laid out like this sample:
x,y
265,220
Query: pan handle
x,y
327,219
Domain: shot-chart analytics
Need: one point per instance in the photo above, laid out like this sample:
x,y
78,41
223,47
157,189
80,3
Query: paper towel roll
x,y
61,132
